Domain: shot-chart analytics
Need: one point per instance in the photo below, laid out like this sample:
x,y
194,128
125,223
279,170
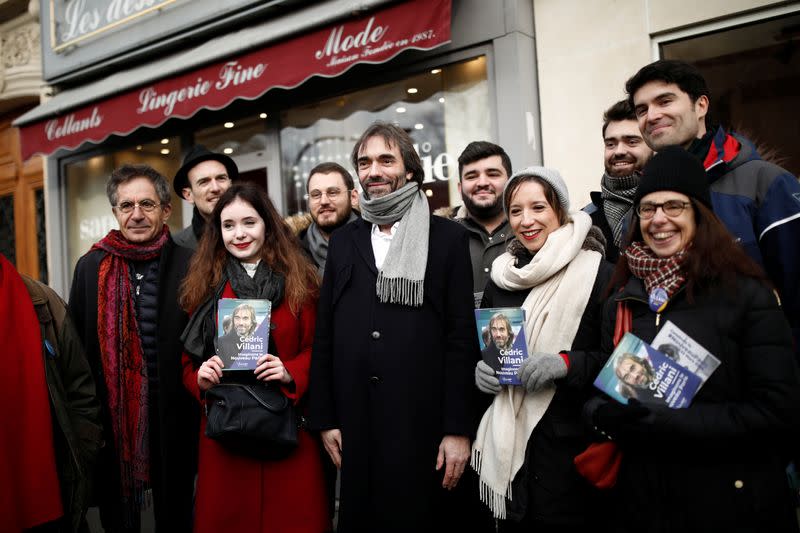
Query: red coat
x,y
241,494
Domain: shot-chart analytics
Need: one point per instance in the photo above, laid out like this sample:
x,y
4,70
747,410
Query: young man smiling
x,y
625,155
203,178
483,170
758,202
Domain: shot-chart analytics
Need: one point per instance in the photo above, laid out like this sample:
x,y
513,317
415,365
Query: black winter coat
x,y
174,421
394,379
718,465
548,489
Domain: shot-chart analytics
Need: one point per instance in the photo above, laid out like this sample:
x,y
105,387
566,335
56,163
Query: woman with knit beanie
x,y
720,464
528,437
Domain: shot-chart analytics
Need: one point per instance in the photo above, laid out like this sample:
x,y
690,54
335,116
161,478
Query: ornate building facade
x,y
22,229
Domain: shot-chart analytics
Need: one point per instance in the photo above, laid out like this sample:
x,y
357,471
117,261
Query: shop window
x,y
8,241
41,235
89,215
753,72
443,109
245,141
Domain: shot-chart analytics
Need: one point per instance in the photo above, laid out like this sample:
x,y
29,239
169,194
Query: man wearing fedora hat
x,y
203,178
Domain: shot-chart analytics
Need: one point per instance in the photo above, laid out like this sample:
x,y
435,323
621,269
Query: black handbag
x,y
254,419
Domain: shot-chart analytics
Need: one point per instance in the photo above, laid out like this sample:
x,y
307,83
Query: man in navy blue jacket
x,y
759,202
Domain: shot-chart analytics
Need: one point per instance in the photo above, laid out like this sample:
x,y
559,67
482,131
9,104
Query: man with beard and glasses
x,y
202,179
483,170
332,198
625,155
394,351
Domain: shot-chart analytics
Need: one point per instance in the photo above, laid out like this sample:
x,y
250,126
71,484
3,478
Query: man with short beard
x,y
331,199
625,155
483,170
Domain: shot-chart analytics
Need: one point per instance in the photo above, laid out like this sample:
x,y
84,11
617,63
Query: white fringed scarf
x,y
560,278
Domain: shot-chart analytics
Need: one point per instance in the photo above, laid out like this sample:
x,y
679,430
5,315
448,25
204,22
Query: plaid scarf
x,y
654,271
617,195
124,368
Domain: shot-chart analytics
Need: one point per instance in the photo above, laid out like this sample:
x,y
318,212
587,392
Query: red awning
x,y
373,38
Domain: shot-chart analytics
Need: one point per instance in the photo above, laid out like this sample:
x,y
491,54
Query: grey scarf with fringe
x,y
401,279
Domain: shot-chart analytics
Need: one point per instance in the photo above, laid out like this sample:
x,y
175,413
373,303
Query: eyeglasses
x,y
145,205
671,208
333,193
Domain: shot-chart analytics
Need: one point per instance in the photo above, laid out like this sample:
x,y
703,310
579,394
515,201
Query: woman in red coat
x,y
248,252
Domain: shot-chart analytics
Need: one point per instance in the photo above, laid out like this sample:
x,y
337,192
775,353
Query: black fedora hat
x,y
197,155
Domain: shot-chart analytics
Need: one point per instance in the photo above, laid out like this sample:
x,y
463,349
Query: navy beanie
x,y
674,169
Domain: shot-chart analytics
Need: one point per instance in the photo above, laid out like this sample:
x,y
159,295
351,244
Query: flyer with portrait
x,y
501,336
637,370
242,332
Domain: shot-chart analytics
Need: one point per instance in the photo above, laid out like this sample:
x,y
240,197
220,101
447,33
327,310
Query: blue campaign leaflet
x,y
637,370
242,332
501,336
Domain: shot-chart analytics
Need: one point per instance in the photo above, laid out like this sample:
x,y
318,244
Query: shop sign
x,y
73,21
374,38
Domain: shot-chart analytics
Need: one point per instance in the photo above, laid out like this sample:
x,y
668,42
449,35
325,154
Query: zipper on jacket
x,y
658,318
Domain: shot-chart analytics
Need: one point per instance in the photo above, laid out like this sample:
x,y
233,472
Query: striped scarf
x,y
124,368
654,271
617,194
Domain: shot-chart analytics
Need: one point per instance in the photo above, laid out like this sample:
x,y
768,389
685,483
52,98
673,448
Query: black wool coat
x,y
718,465
174,421
394,379
548,489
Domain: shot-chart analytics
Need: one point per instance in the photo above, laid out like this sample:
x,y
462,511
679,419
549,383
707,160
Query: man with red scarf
x,y
124,303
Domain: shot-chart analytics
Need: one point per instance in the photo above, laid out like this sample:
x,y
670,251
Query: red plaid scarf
x,y
124,368
654,271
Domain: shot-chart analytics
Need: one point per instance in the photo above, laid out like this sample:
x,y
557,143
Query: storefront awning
x,y
373,38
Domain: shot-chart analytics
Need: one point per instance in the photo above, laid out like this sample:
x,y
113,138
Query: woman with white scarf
x,y
528,437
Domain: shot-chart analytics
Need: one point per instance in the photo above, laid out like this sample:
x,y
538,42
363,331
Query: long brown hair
x,y
281,251
713,258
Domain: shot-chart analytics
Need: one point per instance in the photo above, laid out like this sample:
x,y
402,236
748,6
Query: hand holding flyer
x,y
242,332
637,370
501,336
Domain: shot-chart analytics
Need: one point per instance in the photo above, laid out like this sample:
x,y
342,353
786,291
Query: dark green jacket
x,y
77,433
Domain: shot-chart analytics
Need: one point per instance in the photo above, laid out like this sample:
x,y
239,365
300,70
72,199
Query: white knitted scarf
x,y
560,278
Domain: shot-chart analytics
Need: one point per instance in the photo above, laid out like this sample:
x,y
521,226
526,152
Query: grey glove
x,y
485,378
541,368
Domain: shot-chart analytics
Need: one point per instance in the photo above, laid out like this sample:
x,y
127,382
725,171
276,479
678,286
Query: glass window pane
x,y
443,110
8,240
41,235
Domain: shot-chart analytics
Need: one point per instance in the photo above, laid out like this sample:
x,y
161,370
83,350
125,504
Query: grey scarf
x,y
400,280
318,244
617,194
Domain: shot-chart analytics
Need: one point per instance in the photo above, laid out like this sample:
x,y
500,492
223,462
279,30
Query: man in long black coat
x,y
124,304
392,371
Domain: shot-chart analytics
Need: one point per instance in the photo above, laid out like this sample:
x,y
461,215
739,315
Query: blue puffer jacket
x,y
759,203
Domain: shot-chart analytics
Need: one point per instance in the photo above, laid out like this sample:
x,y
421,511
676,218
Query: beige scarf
x,y
560,278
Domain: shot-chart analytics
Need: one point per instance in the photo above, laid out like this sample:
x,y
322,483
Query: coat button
x,y
374,380
376,335
738,483
486,269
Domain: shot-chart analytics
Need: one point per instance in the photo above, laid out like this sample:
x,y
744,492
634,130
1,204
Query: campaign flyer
x,y
242,332
684,350
501,336
637,370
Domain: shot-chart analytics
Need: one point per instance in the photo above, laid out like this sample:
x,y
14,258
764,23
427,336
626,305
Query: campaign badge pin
x,y
658,297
